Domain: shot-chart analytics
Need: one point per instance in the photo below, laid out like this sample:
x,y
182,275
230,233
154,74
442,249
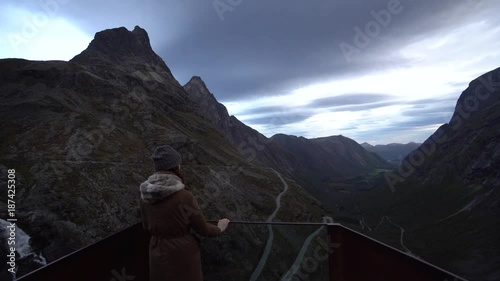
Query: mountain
x,y
393,152
331,166
331,157
80,134
445,194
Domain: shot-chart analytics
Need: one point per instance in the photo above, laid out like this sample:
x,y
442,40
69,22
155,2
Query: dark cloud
x,y
443,110
268,48
419,121
349,128
279,119
347,99
286,115
347,102
266,110
463,84
362,107
428,112
425,102
399,129
424,121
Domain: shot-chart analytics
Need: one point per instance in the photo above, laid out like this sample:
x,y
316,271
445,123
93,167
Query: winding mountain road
x,y
270,239
296,264
363,224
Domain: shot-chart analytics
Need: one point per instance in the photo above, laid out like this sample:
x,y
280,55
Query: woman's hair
x,y
177,172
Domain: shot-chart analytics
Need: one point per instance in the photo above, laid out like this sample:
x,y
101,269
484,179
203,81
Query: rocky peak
x,y
197,89
480,95
120,46
197,79
215,112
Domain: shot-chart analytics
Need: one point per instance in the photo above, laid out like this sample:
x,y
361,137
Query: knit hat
x,y
165,158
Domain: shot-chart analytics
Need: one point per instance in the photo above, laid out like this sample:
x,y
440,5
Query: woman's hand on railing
x,y
223,224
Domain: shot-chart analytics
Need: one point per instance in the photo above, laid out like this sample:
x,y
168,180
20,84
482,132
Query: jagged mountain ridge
x,y
80,135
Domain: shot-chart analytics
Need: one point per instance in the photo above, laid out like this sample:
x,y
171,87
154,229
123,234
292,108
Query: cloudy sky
x,y
379,71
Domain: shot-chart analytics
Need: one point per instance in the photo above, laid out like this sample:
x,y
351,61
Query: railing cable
x,y
274,223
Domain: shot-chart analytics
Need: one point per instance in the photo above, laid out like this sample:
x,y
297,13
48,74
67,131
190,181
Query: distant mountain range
x,y
393,152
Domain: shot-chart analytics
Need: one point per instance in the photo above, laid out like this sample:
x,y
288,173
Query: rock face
x,y
80,134
446,193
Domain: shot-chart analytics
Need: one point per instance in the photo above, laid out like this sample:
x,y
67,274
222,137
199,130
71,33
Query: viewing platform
x,y
314,251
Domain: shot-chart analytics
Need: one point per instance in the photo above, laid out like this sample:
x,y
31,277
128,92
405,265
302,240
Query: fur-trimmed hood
x,y
160,186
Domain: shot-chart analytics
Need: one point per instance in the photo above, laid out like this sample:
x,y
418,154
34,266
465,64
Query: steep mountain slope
x,y
80,134
446,193
393,152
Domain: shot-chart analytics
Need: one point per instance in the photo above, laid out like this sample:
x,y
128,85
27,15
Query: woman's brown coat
x,y
169,212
